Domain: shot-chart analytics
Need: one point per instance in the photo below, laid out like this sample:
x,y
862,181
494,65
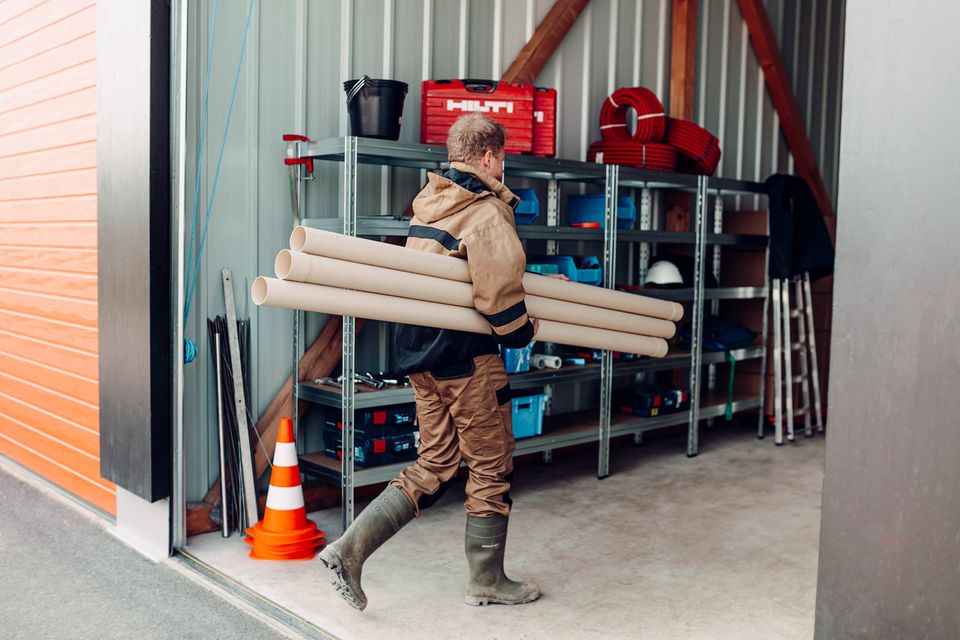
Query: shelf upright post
x,y
715,269
349,336
814,370
296,198
761,423
553,220
696,341
611,189
774,283
646,224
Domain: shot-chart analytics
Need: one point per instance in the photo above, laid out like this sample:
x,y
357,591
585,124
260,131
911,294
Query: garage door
x,y
49,416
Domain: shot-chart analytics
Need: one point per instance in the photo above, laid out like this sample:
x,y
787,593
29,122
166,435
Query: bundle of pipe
x,y
699,147
650,117
657,139
331,273
648,155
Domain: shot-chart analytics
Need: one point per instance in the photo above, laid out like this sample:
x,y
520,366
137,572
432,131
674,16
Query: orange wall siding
x,y
49,414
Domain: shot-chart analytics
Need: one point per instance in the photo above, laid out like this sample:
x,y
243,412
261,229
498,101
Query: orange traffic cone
x,y
285,533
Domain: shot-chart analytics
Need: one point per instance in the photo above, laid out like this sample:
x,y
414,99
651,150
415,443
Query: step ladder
x,y
784,347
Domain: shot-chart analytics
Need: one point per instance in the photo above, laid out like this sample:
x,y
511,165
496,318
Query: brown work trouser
x,y
463,418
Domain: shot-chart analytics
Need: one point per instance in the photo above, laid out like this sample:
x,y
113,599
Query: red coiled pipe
x,y
651,120
646,155
699,147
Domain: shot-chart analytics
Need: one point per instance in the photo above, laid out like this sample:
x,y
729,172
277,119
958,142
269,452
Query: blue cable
x,y
211,39
191,289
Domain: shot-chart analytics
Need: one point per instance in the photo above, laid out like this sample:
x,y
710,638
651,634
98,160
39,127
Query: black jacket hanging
x,y
799,240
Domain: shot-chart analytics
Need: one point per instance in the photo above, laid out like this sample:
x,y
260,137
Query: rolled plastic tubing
x,y
302,267
272,292
334,245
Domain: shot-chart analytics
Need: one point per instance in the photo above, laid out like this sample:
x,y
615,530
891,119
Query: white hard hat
x,y
663,273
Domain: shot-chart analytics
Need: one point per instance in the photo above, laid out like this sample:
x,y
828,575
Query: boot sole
x,y
332,561
474,601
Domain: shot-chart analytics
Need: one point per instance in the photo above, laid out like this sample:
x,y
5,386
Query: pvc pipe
x,y
374,306
544,361
334,245
301,267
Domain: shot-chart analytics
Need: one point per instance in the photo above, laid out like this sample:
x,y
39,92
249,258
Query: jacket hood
x,y
460,186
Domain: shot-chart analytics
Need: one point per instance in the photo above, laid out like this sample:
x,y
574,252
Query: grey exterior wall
x,y
299,51
133,242
890,534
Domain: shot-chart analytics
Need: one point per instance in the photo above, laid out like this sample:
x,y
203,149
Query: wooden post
x,y
683,59
781,93
683,72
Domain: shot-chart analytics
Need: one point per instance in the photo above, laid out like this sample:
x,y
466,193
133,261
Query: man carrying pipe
x,y
460,385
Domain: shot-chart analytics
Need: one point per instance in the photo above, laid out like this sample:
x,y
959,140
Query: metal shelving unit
x,y
559,430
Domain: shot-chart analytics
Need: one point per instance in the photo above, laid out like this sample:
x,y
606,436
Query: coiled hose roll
x,y
651,120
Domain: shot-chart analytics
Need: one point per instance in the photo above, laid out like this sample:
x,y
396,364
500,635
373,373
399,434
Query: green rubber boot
x,y
376,524
485,542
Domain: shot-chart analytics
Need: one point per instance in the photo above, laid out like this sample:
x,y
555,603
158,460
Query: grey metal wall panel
x,y
890,533
134,244
299,53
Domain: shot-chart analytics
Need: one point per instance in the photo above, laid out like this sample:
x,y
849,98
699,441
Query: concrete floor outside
x,y
65,576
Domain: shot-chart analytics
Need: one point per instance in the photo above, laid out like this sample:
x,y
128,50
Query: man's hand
x,y
558,276
536,326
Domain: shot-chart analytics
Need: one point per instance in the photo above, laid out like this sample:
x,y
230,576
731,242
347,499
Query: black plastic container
x,y
375,107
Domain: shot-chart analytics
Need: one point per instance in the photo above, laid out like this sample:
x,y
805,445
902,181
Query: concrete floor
x,y
63,575
723,545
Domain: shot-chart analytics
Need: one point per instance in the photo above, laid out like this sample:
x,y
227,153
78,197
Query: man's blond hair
x,y
473,135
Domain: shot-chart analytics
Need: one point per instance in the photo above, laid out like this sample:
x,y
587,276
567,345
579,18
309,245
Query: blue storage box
x,y
587,209
516,360
585,269
543,269
527,413
589,271
529,208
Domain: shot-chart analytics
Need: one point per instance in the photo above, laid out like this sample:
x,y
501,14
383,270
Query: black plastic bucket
x,y
375,107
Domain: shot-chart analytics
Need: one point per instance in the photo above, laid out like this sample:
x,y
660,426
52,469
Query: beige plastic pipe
x,y
374,306
302,267
334,245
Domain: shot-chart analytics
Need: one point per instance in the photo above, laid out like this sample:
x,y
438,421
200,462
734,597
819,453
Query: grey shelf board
x,y
721,293
731,186
582,432
370,226
648,179
385,152
330,396
737,239
374,226
421,156
743,404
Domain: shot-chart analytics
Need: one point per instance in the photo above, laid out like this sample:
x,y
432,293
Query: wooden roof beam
x,y
544,41
784,101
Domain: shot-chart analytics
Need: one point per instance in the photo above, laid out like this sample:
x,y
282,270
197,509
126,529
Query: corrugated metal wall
x,y
49,416
300,51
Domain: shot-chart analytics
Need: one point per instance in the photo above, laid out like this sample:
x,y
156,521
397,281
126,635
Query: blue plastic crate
x,y
588,208
529,208
543,269
589,270
586,269
516,360
527,414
